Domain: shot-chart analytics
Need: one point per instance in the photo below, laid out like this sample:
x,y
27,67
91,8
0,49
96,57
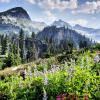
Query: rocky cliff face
x,y
61,36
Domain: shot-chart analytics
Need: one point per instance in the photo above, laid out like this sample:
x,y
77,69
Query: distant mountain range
x,y
11,21
89,32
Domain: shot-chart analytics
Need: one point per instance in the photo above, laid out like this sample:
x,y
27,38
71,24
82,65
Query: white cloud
x,y
55,4
82,22
88,7
4,1
31,1
50,16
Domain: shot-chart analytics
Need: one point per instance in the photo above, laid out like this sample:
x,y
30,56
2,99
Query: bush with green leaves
x,y
77,78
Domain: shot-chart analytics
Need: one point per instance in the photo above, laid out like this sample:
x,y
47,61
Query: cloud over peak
x,y
82,22
51,17
55,4
89,7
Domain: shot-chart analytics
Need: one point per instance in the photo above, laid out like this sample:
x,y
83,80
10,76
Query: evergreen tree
x,y
22,45
83,44
15,53
0,44
4,44
33,36
13,58
33,48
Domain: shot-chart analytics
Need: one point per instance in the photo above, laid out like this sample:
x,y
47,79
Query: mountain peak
x,y
77,25
17,12
60,20
17,8
61,23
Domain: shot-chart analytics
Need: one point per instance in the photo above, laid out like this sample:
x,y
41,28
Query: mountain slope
x,y
61,36
11,21
90,32
17,12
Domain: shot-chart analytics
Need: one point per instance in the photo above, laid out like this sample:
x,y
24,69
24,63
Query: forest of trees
x,y
17,49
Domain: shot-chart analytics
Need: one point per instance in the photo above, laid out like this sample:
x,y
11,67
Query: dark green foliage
x,y
97,46
1,63
83,44
31,48
3,96
9,60
22,45
17,49
3,44
12,59
33,36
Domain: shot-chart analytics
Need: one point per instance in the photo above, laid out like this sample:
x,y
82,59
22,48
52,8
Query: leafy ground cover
x,y
45,79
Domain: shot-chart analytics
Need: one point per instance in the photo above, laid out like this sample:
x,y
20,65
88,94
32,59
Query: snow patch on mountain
x,y
61,23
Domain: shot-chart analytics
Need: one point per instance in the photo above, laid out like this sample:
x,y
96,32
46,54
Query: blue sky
x,y
83,12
